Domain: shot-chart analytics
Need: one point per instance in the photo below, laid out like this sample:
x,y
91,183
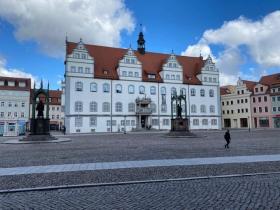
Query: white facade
x,y
14,109
110,105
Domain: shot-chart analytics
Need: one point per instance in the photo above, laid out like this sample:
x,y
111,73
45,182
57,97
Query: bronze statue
x,y
179,111
40,109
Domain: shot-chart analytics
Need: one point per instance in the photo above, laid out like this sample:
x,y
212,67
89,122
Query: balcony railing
x,y
143,111
143,101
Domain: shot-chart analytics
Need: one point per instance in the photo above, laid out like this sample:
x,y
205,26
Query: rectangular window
x,y
87,70
22,104
195,121
273,99
242,91
127,122
93,121
260,109
261,89
136,74
2,103
254,99
154,121
22,114
214,122
151,76
21,84
2,114
205,122
231,102
78,121
11,83
265,98
274,109
73,68
165,121
255,110
266,109
278,98
256,90
259,99
2,83
132,122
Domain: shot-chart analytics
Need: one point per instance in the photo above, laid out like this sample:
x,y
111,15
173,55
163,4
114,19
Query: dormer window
x,y
151,76
124,74
76,55
127,60
105,72
84,56
11,83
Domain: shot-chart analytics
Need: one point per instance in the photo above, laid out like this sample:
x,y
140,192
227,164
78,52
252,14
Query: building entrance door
x,y
143,121
227,123
243,122
276,122
256,122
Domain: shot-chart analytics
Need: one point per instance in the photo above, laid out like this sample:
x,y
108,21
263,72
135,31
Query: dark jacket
x,y
227,136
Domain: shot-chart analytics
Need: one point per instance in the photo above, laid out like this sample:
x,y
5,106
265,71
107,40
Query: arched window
x,y
173,91
142,89
118,88
131,89
212,109
202,108
183,91
193,108
153,90
79,86
106,88
118,107
131,107
78,106
106,107
93,87
192,92
93,106
163,90
211,93
202,92
154,107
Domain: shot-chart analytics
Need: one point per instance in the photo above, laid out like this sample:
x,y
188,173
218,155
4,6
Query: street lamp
x,y
249,124
124,124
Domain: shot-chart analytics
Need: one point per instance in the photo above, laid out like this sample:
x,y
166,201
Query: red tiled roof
x,y
107,58
224,90
249,84
16,80
270,80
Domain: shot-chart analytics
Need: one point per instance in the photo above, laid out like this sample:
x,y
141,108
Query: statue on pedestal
x,y
40,109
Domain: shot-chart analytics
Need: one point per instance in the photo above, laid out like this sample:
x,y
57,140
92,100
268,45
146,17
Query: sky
x,y
241,36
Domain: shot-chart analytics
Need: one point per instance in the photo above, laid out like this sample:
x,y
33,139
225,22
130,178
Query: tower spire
x,y
141,42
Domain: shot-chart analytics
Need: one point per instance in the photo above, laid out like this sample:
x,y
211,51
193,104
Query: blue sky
x,y
240,35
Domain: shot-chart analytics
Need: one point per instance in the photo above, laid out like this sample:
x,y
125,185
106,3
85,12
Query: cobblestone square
x,y
242,192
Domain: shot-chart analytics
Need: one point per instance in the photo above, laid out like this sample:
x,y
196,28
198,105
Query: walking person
x,y
64,130
227,138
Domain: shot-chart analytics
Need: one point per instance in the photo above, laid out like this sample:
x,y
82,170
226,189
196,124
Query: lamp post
x,y
249,124
124,124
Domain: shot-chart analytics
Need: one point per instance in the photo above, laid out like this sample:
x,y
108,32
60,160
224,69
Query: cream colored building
x,y
235,104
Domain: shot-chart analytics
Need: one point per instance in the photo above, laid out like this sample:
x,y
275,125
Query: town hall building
x,y
115,90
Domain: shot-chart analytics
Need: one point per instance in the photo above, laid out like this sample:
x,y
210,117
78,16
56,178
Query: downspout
x,y
111,118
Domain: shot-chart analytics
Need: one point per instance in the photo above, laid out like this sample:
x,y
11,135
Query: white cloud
x,y
197,50
6,72
47,22
258,39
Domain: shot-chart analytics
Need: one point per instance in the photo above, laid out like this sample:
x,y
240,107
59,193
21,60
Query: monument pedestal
x,y
40,130
180,128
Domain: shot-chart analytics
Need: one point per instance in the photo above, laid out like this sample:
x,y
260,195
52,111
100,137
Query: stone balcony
x,y
143,111
143,101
